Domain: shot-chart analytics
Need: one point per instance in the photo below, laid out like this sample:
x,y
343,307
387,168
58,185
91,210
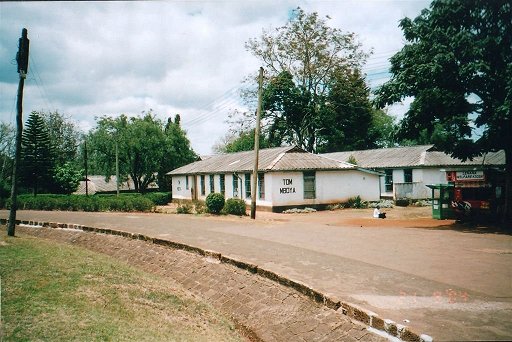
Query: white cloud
x,y
94,58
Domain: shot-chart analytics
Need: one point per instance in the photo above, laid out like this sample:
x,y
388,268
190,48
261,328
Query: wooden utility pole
x,y
86,169
117,168
256,148
22,59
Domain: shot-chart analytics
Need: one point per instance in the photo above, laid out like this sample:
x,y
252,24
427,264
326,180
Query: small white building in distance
x,y
406,171
288,177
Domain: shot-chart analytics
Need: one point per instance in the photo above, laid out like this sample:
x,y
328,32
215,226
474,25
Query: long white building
x,y
288,177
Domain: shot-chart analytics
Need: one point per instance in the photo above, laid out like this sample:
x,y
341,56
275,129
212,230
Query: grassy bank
x,y
56,292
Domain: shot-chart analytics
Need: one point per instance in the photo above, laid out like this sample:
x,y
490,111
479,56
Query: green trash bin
x,y
442,197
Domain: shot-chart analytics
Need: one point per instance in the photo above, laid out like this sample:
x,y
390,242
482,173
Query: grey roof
x,y
414,156
98,184
287,158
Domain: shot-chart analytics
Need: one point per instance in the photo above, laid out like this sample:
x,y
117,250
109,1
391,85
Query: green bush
x,y
184,208
403,202
356,202
159,198
199,207
215,202
83,203
235,206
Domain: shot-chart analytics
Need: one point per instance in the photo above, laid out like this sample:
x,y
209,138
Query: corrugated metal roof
x,y
99,184
413,156
287,158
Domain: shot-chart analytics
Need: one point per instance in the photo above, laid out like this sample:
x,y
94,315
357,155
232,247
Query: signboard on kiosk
x,y
470,175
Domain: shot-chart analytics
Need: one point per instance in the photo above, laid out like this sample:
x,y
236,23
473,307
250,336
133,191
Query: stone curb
x,y
355,312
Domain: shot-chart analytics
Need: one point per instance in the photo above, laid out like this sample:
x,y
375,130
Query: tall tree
x,y
301,59
64,135
240,141
347,115
7,134
177,151
37,155
146,148
457,64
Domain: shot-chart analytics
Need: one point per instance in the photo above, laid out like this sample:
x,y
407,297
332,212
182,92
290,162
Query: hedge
x,y
123,203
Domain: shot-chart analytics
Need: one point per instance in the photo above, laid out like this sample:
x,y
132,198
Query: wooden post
x,y
256,148
22,59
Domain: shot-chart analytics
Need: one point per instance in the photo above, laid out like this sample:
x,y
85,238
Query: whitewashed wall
x,y
331,187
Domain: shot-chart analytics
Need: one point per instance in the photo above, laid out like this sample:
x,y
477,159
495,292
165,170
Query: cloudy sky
x,y
89,59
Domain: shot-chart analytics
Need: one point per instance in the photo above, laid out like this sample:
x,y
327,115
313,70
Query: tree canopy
x,y
37,155
147,148
314,94
457,65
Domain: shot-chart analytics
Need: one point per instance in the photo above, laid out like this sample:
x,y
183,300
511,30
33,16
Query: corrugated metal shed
x,y
413,156
288,158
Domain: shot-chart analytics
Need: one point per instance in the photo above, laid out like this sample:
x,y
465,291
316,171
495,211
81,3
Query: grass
x,y
56,292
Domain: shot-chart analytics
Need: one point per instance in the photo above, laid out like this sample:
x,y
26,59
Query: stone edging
x,y
369,318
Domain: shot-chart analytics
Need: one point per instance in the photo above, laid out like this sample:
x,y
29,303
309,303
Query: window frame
x,y
222,179
212,184
203,185
247,184
407,175
261,186
309,177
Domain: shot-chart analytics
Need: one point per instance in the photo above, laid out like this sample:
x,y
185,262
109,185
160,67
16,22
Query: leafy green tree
x,y
347,115
178,151
147,149
7,134
67,178
37,155
241,141
314,94
65,136
457,64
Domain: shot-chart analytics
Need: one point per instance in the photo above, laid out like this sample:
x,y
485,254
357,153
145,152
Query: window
x,y
212,183
309,185
203,190
261,185
247,185
388,180
407,175
186,183
235,185
222,184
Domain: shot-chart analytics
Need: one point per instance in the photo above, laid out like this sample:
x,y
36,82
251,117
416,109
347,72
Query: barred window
x,y
261,185
407,175
186,183
235,185
388,180
203,186
222,184
247,185
212,183
309,185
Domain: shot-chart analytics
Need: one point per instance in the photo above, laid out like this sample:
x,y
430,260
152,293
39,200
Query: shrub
x,y
199,207
159,198
356,202
184,209
215,202
84,203
403,202
235,206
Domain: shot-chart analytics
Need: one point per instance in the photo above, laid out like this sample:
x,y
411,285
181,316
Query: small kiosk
x,y
442,197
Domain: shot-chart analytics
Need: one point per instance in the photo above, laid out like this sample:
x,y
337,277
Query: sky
x,y
89,59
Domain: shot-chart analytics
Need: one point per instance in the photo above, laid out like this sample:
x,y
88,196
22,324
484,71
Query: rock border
x,y
353,311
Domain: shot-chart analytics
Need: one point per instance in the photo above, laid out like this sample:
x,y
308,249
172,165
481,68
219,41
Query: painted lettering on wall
x,y
287,189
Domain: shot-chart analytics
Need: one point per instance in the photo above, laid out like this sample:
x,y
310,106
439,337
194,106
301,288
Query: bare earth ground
x,y
451,281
